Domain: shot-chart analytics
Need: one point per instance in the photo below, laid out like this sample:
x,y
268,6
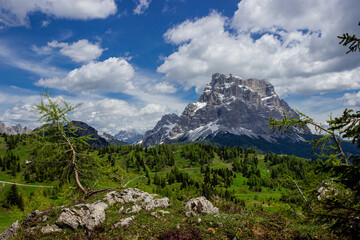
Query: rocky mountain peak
x,y
129,136
161,131
12,130
229,104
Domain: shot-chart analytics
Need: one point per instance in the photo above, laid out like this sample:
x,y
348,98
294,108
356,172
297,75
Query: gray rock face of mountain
x,y
161,131
128,136
18,129
230,104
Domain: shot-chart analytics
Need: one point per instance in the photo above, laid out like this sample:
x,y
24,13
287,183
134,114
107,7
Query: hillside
x,y
255,193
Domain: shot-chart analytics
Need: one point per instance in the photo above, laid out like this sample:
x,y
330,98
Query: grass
x,y
230,223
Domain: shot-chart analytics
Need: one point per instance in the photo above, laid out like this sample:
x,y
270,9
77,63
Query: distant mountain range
x,y
12,130
130,137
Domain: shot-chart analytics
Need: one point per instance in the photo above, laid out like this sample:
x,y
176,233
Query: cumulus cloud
x,y
293,45
141,6
112,115
161,87
81,51
351,99
112,75
16,12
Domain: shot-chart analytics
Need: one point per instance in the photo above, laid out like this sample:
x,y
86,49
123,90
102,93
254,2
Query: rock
x,y
121,209
83,215
220,224
30,231
162,212
29,218
199,205
326,191
134,209
190,214
154,214
10,231
134,195
150,204
198,220
50,229
45,218
124,222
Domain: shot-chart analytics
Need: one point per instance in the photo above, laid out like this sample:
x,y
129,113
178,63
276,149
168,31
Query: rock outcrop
x,y
132,195
50,229
124,222
10,231
198,206
86,216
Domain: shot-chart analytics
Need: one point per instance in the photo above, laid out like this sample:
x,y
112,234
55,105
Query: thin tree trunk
x,y
73,161
303,196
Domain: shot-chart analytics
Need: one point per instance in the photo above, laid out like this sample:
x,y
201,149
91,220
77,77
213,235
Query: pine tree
x,y
14,198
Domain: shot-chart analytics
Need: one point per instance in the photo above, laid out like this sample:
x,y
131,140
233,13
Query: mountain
x,y
112,140
161,131
84,130
130,136
231,106
18,129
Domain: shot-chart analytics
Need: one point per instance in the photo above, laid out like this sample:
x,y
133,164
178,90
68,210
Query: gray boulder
x,y
198,206
124,222
10,231
50,229
29,218
134,195
87,216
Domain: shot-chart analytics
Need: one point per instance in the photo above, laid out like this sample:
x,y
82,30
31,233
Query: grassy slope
x,y
258,204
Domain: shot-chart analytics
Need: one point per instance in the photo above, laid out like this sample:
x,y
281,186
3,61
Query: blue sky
x,y
131,61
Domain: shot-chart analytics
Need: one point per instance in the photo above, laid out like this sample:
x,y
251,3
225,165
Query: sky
x,y
129,62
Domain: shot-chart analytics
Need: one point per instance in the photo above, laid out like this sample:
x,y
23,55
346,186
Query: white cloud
x,y
105,114
161,87
45,23
113,75
81,51
16,12
351,99
141,6
293,45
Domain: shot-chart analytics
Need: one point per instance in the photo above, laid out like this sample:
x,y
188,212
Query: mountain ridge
x,y
228,104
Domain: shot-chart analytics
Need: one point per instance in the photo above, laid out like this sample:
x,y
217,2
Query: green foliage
x,y
58,144
351,41
14,198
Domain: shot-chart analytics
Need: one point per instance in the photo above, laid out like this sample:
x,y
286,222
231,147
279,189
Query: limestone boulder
x,y
124,222
10,231
50,229
87,216
198,206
